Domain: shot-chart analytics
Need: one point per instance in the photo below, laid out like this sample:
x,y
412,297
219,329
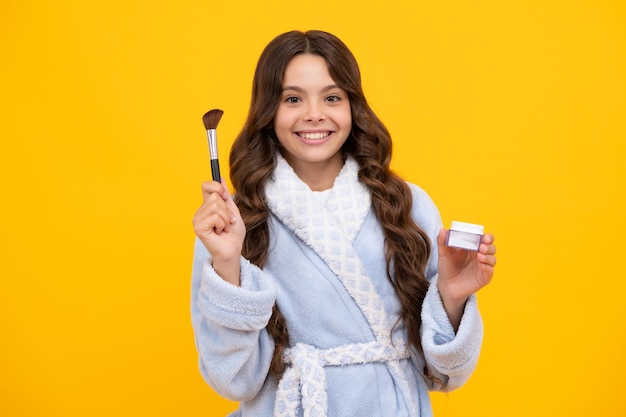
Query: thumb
x,y
441,242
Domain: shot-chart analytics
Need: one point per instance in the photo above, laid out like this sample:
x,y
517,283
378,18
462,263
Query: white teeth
x,y
313,136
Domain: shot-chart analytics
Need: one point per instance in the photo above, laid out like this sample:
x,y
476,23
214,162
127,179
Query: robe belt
x,y
305,379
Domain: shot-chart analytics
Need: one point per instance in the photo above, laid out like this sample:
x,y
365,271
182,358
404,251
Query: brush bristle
x,y
212,118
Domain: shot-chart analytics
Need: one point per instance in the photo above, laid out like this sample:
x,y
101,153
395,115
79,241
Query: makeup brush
x,y
211,119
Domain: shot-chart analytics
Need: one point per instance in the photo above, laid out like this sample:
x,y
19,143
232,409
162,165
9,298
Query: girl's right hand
x,y
219,226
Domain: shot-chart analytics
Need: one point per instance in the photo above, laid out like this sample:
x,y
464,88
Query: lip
x,y
314,137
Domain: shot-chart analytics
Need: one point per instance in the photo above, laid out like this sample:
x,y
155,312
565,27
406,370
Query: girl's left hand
x,y
463,272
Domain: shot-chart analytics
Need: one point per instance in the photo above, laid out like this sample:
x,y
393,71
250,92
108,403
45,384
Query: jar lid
x,y
476,229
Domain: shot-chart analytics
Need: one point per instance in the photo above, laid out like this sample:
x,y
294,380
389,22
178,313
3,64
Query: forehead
x,y
306,68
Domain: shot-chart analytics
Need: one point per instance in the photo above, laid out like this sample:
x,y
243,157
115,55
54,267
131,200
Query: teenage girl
x,y
324,286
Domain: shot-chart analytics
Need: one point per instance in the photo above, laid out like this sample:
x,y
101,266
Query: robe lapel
x,y
330,230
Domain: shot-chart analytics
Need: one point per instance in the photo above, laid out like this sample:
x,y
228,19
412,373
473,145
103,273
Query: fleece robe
x,y
348,353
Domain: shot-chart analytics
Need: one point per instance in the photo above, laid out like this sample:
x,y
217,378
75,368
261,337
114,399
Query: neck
x,y
319,176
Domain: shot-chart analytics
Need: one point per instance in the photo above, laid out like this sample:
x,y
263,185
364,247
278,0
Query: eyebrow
x,y
299,89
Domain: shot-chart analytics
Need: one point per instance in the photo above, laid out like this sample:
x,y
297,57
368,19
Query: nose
x,y
314,113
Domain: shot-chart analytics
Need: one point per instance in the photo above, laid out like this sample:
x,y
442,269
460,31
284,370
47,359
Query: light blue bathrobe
x,y
327,272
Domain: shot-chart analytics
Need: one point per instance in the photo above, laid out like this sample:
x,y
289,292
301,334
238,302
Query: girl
x,y
325,287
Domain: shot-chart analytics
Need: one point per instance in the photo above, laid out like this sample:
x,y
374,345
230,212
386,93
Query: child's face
x,y
313,119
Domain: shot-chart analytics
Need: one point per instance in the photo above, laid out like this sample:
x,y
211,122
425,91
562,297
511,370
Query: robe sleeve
x,y
229,322
450,356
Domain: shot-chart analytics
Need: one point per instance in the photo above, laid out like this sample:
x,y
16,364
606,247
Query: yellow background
x,y
510,114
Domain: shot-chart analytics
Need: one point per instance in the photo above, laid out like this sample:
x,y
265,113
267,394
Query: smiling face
x,y
313,121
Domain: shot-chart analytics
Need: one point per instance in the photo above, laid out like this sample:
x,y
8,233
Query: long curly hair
x,y
253,158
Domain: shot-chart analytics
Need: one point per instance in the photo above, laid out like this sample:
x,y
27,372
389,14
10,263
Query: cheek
x,y
282,126
283,119
279,121
346,119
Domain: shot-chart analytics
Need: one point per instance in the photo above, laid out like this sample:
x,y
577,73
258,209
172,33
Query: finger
x,y
209,223
488,239
487,249
211,187
213,206
225,194
230,203
487,245
215,203
486,259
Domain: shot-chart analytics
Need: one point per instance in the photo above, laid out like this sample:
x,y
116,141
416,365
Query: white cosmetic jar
x,y
465,235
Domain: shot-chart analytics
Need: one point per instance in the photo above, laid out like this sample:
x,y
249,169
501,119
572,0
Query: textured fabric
x,y
334,297
330,230
306,377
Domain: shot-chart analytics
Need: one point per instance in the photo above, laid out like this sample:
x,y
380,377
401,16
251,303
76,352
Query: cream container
x,y
465,235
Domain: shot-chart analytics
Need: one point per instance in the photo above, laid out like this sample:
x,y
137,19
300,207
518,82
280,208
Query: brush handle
x,y
215,170
215,164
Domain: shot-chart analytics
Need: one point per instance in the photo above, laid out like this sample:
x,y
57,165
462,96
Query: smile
x,y
313,135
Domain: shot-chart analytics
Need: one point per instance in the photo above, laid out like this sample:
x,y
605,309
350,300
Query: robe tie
x,y
304,381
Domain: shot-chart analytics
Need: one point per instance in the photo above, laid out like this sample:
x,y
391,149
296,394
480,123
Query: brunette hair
x,y
253,158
